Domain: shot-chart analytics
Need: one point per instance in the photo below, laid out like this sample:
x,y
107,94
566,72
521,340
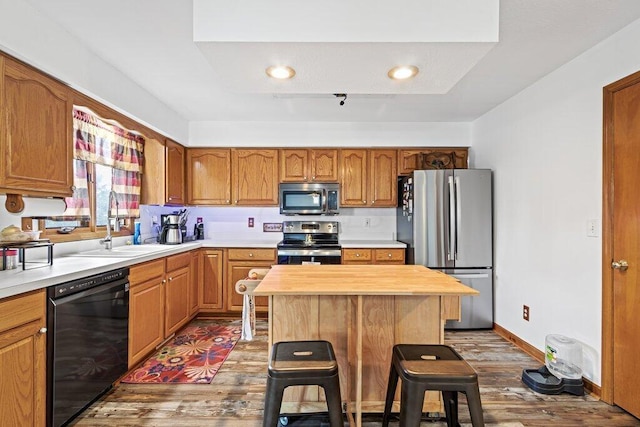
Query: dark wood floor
x,y
236,395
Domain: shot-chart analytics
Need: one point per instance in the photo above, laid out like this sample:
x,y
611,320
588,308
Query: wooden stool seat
x,y
302,363
431,367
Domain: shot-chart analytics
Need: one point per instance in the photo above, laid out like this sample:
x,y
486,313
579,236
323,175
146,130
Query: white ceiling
x,y
152,42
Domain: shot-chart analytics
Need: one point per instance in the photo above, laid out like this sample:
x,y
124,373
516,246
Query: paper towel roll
x,y
35,206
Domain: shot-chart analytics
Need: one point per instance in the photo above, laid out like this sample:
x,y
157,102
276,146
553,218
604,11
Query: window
x,y
107,158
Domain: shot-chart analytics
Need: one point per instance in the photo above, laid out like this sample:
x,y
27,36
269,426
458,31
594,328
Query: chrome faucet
x,y
113,197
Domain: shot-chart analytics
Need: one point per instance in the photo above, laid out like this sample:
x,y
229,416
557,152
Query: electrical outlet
x,y
250,222
525,312
367,222
592,228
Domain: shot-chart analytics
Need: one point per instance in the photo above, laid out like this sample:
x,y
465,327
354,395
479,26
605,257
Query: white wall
x,y
326,134
33,38
545,146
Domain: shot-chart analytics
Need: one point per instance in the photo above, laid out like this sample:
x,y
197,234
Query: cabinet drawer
x,y
21,309
175,262
252,254
356,254
142,272
383,255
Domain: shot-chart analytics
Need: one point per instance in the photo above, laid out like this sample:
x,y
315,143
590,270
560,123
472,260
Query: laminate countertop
x,y
78,265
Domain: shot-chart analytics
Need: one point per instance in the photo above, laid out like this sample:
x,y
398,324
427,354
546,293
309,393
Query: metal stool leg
x,y
450,400
272,404
391,391
411,401
475,405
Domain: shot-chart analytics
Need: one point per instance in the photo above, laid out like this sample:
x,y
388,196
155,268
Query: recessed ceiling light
x,y
402,72
281,72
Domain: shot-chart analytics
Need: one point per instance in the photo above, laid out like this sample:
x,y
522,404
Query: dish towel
x,y
248,318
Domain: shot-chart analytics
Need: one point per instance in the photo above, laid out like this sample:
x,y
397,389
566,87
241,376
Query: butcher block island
x,y
362,310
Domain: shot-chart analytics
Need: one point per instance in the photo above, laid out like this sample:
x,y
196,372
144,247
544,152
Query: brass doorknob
x,y
621,265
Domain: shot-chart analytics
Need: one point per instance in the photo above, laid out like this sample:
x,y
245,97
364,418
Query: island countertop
x,y
359,280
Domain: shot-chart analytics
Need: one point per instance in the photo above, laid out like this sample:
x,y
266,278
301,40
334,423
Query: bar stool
x,y
302,363
431,367
245,287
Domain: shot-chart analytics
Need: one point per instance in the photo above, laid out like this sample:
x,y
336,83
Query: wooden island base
x,y
363,311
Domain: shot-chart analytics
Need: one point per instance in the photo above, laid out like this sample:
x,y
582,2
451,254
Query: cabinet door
x,y
174,177
294,165
146,314
238,270
196,273
255,177
176,300
153,178
432,158
36,140
353,177
23,360
383,185
209,176
211,287
324,165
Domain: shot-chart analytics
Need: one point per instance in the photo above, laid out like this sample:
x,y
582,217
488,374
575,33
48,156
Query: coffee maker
x,y
170,233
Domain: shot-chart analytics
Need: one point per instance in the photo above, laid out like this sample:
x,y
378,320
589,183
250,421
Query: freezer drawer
x,y
476,311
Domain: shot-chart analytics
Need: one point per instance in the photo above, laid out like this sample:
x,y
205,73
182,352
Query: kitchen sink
x,y
129,251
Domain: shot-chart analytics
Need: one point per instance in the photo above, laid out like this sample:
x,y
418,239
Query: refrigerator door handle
x,y
452,221
458,215
470,276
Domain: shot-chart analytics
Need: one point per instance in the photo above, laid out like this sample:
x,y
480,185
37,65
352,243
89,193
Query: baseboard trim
x,y
532,351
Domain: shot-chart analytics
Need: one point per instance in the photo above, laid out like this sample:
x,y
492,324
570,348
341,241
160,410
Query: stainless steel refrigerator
x,y
445,218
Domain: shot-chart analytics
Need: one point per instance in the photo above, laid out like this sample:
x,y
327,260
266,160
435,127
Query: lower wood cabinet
x,y
373,256
239,262
23,380
160,302
212,283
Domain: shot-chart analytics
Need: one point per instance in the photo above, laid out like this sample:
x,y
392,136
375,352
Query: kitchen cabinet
x,y
208,176
174,174
255,177
368,178
152,191
309,165
373,256
158,302
23,380
239,262
410,159
212,283
36,138
195,269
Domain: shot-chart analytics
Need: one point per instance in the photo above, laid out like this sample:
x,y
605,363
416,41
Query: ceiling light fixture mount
x,y
341,95
402,72
280,72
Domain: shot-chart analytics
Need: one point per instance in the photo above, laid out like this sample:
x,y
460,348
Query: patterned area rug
x,y
192,357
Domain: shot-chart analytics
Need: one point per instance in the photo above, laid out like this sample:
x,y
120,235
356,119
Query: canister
x,y
9,260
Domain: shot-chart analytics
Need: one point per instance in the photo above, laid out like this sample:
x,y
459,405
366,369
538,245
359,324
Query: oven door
x,y
309,256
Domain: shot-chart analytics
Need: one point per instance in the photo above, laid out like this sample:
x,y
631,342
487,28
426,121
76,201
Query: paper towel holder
x,y
14,203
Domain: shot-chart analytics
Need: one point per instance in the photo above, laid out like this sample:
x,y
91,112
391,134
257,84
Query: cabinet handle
x,y
313,178
228,201
170,279
304,178
236,202
357,255
250,254
163,281
389,255
42,331
373,201
364,201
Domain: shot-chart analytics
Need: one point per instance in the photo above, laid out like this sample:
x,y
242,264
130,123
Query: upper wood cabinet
x,y
255,177
309,165
368,178
153,176
208,176
410,159
36,141
174,174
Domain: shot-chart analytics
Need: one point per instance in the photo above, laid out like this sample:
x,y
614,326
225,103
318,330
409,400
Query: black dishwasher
x,y
87,344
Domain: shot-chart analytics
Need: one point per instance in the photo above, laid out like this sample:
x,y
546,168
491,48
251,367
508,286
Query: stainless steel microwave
x,y
309,198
